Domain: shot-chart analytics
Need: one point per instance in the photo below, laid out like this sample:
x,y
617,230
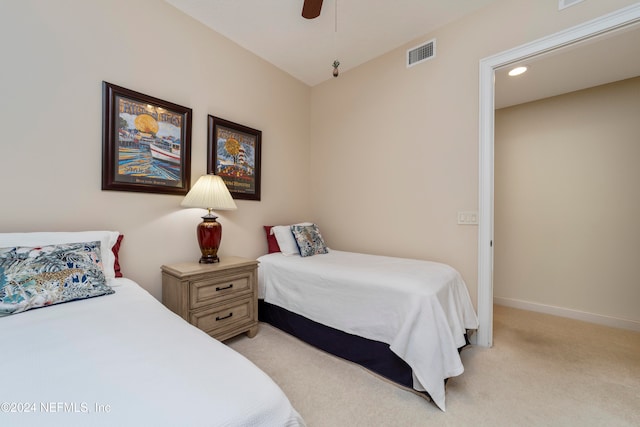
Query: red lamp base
x,y
209,233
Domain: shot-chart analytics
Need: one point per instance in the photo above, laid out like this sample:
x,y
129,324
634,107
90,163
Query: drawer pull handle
x,y
218,288
224,317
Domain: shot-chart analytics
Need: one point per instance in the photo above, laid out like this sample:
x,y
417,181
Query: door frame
x,y
610,22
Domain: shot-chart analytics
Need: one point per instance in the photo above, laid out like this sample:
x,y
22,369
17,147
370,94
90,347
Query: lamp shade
x,y
209,192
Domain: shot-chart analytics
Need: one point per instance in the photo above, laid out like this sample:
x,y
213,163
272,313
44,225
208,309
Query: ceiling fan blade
x,y
311,8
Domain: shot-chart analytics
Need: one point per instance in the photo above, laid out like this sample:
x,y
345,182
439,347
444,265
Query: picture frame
x,y
234,152
146,143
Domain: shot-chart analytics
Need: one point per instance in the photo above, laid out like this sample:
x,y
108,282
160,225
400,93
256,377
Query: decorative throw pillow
x,y
309,240
32,277
32,239
272,243
116,254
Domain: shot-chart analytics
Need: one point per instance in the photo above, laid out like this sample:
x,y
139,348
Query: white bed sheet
x,y
125,360
422,309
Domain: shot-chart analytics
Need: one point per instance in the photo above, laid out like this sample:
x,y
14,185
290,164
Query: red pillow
x,y
115,249
272,243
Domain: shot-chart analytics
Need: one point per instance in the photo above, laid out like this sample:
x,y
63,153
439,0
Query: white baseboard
x,y
571,314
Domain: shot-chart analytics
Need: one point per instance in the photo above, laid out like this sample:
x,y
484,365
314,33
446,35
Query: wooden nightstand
x,y
221,298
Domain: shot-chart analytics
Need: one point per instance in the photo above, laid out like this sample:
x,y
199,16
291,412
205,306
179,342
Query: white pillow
x,y
285,239
107,240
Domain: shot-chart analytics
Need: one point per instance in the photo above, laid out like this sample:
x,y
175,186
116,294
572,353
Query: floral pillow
x,y
309,240
33,277
41,238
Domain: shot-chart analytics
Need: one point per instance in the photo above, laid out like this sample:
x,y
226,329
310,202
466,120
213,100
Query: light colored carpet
x,y
542,371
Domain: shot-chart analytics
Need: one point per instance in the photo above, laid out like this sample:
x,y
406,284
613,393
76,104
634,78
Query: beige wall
x,y
55,55
394,150
566,200
382,157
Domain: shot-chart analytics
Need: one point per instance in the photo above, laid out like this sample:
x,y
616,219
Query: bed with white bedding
x,y
419,310
122,358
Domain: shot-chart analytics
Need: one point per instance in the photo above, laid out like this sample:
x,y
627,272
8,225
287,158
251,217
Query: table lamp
x,y
209,192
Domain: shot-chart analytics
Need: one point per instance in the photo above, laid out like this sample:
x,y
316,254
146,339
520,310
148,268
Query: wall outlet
x,y
468,217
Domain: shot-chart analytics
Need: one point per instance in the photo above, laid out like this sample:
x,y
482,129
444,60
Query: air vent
x,y
421,53
566,3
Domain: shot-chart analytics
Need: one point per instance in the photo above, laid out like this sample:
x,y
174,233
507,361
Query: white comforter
x,y
125,360
420,308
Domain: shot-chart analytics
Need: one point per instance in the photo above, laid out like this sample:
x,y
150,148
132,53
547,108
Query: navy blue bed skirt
x,y
373,355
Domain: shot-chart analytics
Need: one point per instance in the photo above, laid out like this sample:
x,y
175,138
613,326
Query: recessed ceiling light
x,y
517,71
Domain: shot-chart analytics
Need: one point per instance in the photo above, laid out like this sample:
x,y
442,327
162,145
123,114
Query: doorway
x,y
617,20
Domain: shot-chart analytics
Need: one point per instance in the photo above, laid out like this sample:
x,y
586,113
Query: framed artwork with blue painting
x,y
233,153
146,143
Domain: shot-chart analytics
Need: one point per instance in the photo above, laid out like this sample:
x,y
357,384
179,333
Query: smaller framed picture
x,y
234,153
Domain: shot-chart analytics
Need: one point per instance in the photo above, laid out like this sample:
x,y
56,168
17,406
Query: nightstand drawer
x,y
219,320
205,292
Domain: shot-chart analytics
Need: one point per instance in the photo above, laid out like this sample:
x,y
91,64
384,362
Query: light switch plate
x,y
468,217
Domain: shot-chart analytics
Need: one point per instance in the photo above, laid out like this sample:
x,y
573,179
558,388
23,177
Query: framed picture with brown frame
x,y
234,153
146,143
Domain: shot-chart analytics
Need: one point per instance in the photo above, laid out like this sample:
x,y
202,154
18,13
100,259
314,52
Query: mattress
x,y
124,359
421,309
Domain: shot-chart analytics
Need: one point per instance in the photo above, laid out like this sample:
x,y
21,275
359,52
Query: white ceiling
x,y
305,48
276,31
603,59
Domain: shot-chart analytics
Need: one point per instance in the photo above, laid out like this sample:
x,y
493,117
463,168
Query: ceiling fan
x,y
311,8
